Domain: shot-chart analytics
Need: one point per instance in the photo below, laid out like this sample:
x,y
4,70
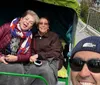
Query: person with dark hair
x,y
47,51
15,42
85,62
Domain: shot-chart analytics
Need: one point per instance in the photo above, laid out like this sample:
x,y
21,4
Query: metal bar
x,y
24,75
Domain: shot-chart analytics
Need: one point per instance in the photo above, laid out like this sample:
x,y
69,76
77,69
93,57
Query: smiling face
x,y
43,25
27,22
85,76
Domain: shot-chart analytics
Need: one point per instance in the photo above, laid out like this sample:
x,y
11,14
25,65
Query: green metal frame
x,y
24,75
63,80
66,80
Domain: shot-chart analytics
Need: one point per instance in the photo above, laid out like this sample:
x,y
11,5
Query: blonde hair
x,y
31,12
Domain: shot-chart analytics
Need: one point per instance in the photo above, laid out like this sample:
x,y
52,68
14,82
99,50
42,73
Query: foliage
x,y
85,5
84,11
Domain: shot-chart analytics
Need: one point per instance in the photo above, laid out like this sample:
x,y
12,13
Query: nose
x,y
84,72
27,22
43,24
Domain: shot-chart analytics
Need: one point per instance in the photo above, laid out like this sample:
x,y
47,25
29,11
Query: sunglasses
x,y
77,64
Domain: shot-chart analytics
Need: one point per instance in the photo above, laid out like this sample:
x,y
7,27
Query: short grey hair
x,y
31,12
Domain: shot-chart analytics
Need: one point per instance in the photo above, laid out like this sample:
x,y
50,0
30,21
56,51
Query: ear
x,y
48,29
21,18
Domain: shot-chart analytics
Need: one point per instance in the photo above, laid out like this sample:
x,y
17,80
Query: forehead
x,y
29,16
43,20
86,55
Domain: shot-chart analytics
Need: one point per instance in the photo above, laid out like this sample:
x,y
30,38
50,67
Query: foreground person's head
x,y
85,62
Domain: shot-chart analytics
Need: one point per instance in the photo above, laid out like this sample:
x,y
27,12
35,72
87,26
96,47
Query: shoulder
x,y
5,25
53,33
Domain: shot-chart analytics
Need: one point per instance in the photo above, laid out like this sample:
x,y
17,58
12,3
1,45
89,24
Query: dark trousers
x,y
48,70
11,80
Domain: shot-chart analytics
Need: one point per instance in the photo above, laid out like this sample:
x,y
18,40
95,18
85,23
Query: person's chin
x,y
24,29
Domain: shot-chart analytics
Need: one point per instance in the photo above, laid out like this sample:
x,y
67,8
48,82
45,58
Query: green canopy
x,y
65,3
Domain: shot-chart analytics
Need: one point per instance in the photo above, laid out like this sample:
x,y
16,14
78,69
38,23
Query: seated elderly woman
x,y
47,50
15,42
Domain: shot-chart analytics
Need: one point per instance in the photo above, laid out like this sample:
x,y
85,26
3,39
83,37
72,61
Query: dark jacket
x,y
5,38
47,46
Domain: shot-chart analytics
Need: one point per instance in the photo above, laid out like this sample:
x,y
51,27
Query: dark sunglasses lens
x,y
94,65
76,64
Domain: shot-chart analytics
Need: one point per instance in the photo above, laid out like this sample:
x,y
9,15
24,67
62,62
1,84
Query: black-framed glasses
x,y
77,64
